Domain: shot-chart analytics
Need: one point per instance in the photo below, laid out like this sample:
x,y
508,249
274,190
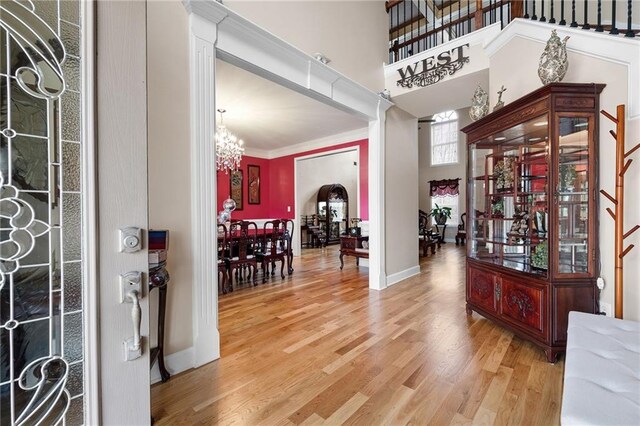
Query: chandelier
x,y
229,148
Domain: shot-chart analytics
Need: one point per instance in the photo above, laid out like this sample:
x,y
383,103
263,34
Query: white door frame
x,y
121,201
214,30
297,236
89,219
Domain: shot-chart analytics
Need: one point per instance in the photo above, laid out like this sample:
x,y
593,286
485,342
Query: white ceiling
x,y
268,116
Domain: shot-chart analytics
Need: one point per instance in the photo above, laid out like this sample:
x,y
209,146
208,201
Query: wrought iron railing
x,y
419,25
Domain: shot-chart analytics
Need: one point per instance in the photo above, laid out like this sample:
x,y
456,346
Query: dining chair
x,y
273,248
289,227
221,264
242,251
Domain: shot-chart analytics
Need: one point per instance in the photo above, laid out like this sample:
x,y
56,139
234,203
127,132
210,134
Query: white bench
x,y
602,371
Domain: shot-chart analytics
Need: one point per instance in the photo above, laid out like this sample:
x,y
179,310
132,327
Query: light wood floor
x,y
320,347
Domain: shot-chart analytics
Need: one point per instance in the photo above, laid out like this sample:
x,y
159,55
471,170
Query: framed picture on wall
x,y
235,188
254,184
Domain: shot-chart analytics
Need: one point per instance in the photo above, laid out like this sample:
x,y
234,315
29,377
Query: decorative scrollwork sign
x,y
434,68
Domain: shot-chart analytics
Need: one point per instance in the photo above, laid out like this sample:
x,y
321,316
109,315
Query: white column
x,y
377,269
206,337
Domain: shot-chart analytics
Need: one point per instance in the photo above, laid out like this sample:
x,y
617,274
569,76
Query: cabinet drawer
x,y
481,289
523,304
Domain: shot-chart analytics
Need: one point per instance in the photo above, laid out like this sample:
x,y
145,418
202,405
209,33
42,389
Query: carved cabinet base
x,y
534,309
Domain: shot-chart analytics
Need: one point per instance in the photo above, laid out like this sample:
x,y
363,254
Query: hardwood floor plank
x,y
319,347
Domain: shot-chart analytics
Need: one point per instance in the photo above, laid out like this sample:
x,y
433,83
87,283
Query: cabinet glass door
x,y
573,203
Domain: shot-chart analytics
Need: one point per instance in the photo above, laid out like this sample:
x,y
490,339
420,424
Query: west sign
x,y
434,68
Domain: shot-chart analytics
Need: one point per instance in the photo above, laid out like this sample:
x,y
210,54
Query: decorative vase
x,y
553,62
479,104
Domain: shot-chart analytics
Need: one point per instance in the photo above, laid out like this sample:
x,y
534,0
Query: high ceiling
x,y
268,116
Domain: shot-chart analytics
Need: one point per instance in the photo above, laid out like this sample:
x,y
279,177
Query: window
x,y
447,201
444,138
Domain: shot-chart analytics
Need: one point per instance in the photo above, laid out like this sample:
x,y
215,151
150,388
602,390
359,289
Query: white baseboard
x,y
402,275
175,363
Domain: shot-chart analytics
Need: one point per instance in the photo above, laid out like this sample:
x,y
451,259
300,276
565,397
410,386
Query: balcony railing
x,y
419,25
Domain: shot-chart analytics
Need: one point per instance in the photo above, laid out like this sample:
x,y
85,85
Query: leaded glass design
x,y
41,306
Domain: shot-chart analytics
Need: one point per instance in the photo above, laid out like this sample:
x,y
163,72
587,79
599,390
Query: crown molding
x,y
310,145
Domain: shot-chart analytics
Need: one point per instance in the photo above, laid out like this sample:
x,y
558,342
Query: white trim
x,y
377,247
297,233
625,51
402,275
337,139
206,337
89,220
216,31
175,363
310,145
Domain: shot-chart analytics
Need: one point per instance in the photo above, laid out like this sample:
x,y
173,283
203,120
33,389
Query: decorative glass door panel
x,y
41,297
573,194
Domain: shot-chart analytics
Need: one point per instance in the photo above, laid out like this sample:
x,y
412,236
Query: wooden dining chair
x,y
221,264
273,248
243,245
289,227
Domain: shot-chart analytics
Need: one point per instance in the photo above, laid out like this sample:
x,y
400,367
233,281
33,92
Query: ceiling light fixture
x,y
229,148
500,138
541,123
534,139
581,124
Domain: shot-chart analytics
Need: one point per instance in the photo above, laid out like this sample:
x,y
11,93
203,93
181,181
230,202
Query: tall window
x,y
444,138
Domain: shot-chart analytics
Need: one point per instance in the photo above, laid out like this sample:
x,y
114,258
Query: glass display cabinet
x,y
532,207
333,211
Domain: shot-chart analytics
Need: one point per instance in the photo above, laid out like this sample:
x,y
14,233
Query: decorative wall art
x,y
254,184
235,188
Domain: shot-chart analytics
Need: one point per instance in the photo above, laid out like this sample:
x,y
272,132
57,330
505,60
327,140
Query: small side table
x,y
159,278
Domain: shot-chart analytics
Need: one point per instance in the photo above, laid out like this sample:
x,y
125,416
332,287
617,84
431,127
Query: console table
x,y
352,246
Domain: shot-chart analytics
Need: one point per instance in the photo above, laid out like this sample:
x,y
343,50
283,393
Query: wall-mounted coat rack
x,y
618,202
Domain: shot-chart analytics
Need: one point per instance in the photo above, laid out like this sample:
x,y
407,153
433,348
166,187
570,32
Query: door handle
x,y
136,318
130,292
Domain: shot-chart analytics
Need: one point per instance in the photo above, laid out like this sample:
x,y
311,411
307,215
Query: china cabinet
x,y
533,220
333,211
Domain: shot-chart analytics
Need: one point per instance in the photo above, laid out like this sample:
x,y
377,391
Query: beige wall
x,y
586,69
428,172
312,173
169,157
401,191
353,34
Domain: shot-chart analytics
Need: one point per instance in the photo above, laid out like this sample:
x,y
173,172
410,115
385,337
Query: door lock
x,y
130,240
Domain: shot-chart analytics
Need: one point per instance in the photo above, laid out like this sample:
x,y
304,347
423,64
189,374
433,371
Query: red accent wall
x,y
250,211
277,184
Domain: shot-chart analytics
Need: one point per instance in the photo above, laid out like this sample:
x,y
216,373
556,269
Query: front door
x,y
62,351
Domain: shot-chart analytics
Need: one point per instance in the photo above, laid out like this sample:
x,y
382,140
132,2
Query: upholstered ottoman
x,y
602,371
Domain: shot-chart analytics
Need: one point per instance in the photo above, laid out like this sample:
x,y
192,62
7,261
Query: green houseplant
x,y
440,214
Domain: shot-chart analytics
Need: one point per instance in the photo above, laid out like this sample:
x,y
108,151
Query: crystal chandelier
x,y
229,148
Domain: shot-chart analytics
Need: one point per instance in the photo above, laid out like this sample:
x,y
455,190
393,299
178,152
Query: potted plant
x,y
440,214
